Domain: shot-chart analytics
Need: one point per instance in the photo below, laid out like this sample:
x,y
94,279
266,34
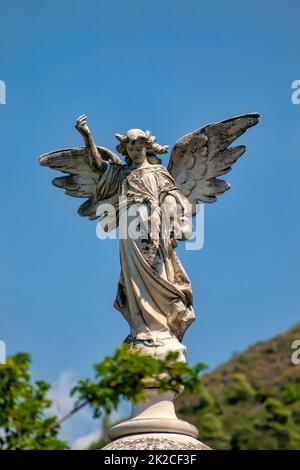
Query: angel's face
x,y
137,150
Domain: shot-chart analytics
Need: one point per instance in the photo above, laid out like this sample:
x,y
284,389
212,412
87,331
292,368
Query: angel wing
x,y
200,156
81,180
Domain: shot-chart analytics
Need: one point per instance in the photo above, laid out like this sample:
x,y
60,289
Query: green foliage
x,y
252,401
211,429
239,389
242,438
275,411
24,423
243,422
276,421
126,374
291,392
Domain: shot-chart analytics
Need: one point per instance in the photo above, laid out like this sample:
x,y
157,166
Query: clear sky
x,y
171,67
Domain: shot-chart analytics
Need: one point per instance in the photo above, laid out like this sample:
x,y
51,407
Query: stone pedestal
x,y
156,441
154,425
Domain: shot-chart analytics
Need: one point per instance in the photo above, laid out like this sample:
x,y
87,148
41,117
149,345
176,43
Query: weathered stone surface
x,y
154,292
156,441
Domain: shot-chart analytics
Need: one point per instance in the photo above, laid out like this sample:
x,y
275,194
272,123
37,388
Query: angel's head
x,y
137,146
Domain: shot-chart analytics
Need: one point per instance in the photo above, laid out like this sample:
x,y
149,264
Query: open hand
x,y
81,125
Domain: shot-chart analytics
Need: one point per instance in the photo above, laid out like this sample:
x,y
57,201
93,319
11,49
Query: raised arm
x,y
95,159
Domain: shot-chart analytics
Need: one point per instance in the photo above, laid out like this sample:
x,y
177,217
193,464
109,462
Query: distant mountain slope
x,y
252,401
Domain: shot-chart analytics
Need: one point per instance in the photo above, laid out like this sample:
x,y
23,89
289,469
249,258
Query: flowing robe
x,y
154,292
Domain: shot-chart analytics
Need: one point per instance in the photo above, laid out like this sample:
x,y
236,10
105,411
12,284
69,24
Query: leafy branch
x,y
24,406
126,374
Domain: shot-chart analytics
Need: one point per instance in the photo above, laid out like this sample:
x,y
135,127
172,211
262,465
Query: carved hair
x,y
152,147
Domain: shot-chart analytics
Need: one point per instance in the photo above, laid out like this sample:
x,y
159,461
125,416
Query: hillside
x,y
252,401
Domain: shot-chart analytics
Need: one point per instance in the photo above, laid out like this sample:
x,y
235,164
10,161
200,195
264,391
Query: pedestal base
x,y
155,414
154,425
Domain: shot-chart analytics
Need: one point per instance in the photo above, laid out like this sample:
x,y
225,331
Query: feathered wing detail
x,y
200,156
81,180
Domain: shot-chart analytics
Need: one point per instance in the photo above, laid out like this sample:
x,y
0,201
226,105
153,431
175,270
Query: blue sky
x,y
171,67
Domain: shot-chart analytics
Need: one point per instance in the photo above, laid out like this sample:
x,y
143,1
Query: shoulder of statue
x,y
120,167
165,173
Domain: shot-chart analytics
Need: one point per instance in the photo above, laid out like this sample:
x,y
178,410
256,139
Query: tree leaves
x,y
126,374
24,423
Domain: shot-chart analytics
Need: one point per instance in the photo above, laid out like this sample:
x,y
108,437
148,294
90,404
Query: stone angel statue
x,y
154,292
